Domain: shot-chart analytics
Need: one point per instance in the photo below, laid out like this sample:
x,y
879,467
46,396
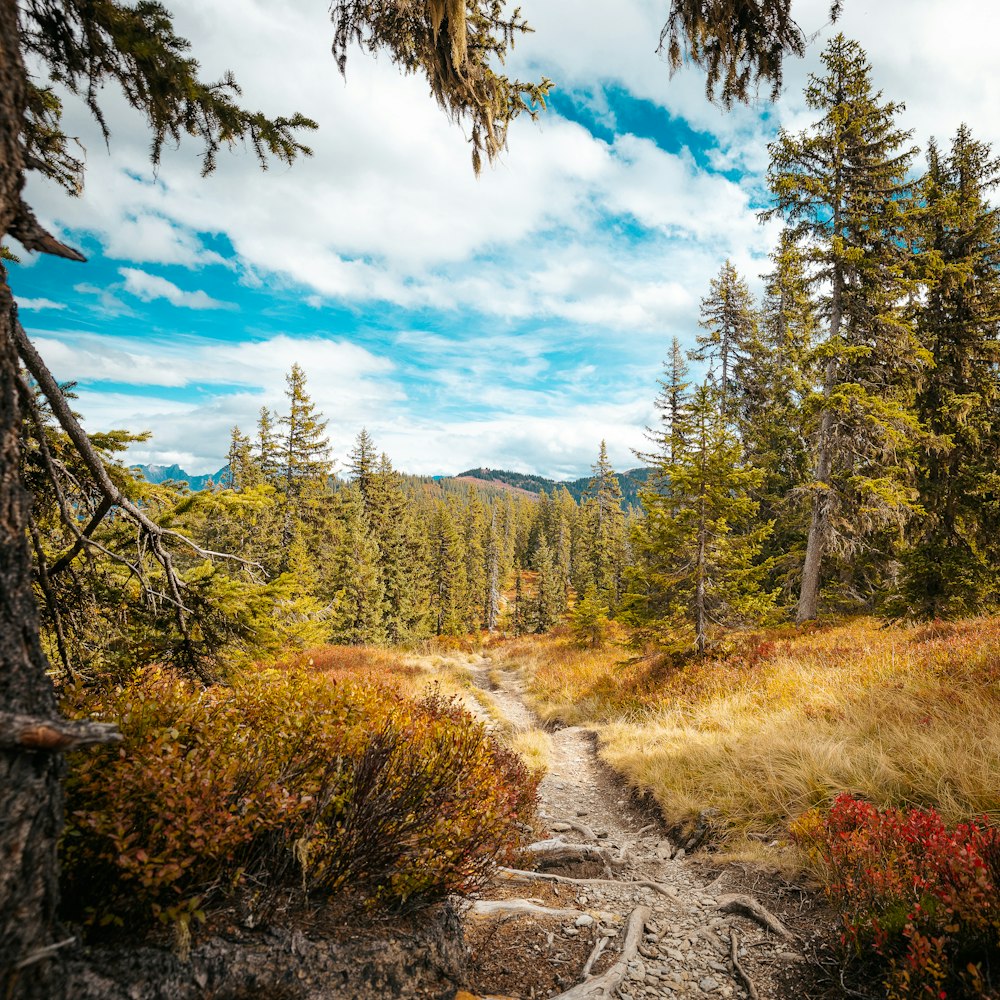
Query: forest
x,y
727,723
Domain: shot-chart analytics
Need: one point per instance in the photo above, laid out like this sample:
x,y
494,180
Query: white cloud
x,y
37,304
149,287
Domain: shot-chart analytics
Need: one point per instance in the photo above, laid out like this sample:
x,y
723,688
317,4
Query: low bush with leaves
x,y
923,897
282,783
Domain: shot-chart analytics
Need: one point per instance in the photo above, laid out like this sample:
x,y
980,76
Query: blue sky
x,y
513,321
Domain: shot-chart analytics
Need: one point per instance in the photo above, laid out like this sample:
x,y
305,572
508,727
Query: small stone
x,y
708,985
584,920
582,812
570,932
560,827
637,971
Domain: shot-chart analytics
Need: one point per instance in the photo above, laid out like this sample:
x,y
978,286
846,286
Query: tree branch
x,y
29,732
28,231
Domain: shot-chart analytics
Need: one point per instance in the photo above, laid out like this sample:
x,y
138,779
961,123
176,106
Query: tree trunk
x,y
819,526
30,793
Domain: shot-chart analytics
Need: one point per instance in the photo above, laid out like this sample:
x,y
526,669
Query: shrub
x,y
286,781
922,896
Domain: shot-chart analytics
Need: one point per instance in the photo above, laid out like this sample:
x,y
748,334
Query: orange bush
x,y
285,780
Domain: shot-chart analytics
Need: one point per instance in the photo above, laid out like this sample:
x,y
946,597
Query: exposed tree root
x,y
604,986
516,907
747,906
518,875
557,852
573,824
602,943
734,957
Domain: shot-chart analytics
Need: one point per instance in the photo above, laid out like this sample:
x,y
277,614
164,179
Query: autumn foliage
x,y
924,897
287,782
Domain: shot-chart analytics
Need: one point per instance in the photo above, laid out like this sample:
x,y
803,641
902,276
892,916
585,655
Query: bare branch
x,y
28,231
29,732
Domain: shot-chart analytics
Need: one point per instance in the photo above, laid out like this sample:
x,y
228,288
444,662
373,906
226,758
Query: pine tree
x,y
842,184
305,449
551,600
243,471
729,317
699,547
361,463
267,453
607,547
358,605
779,374
953,563
590,620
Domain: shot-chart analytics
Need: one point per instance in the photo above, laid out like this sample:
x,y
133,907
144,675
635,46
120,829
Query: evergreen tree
x,y
358,604
777,377
699,547
361,463
953,564
728,315
551,600
491,612
605,529
267,452
842,184
448,598
305,449
590,620
243,471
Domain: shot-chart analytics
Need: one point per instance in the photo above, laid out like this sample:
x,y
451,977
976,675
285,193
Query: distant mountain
x,y
630,481
161,473
490,480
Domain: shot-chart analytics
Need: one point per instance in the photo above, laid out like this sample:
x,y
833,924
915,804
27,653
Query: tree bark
x,y
819,524
30,793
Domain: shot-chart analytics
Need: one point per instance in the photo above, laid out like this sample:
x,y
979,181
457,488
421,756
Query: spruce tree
x,y
551,594
729,317
699,547
267,451
842,185
243,470
361,463
357,616
305,449
778,375
607,546
952,566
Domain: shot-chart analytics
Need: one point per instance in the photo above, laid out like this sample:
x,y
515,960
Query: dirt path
x,y
687,944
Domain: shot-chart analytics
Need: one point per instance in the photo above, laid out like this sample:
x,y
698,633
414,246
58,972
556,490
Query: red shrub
x,y
924,898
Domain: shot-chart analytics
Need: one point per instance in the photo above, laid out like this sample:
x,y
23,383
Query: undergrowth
x,y
921,895
300,780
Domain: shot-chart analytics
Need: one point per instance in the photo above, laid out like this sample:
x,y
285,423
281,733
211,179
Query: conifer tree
x,y
953,564
729,317
448,598
361,463
605,529
842,185
358,603
305,449
267,451
243,471
550,603
777,377
699,547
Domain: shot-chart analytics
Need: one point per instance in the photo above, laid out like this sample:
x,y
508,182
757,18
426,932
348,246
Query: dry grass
x,y
790,718
535,746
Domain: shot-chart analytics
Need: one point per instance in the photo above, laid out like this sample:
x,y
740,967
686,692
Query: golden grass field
x,y
786,719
